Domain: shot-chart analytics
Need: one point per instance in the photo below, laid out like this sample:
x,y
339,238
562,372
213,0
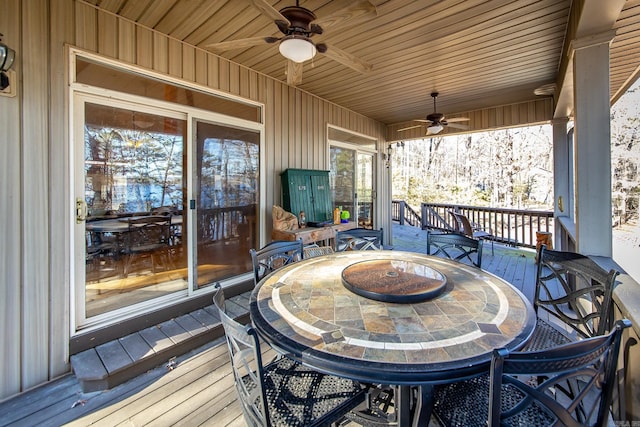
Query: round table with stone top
x,y
309,311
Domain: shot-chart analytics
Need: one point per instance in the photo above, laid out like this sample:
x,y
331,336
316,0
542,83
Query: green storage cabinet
x,y
307,190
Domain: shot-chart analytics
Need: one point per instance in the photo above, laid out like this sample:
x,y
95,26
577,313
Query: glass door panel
x,y
364,189
352,181
134,191
227,169
342,179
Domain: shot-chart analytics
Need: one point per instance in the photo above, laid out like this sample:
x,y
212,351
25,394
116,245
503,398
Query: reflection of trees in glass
x,y
229,173
341,175
132,170
365,178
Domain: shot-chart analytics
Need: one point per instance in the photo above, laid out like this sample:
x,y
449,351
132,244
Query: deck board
x,y
199,391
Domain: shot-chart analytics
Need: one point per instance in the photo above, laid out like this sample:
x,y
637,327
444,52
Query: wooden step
x,y
117,361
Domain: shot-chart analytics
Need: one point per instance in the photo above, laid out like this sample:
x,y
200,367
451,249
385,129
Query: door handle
x,y
81,210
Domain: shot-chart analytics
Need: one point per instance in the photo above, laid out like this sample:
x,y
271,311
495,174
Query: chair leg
x,y
126,265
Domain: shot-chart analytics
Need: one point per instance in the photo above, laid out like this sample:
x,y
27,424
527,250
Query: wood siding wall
x,y
10,211
34,168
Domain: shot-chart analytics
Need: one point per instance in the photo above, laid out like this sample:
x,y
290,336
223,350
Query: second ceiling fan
x,y
298,25
436,122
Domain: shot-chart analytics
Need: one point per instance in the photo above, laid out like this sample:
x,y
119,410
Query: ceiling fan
x,y
298,26
436,121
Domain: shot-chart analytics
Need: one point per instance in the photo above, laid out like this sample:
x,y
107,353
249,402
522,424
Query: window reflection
x,y
135,245
228,166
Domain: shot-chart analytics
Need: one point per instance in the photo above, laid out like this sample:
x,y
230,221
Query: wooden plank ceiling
x,y
475,53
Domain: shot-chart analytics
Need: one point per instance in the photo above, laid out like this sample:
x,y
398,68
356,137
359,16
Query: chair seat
x,y
452,398
545,336
299,396
452,402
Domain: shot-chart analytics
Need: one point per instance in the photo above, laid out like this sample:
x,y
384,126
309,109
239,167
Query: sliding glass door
x,y
365,189
130,209
352,182
157,217
227,166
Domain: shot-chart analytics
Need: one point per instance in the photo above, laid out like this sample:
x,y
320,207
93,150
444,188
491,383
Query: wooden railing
x,y
512,226
404,213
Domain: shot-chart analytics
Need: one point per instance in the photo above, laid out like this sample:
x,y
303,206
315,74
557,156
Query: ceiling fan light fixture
x,y
297,48
434,129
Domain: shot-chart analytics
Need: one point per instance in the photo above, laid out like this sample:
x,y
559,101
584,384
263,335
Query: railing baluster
x,y
513,226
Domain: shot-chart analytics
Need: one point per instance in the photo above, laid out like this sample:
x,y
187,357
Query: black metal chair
x,y
273,256
313,250
100,256
284,392
455,246
573,299
464,226
148,237
510,395
359,239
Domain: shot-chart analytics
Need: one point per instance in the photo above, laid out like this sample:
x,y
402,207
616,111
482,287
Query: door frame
x,y
78,94
360,146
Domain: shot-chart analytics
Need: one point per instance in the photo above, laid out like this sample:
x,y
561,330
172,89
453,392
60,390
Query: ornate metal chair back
x,y
274,256
359,239
574,290
456,247
574,388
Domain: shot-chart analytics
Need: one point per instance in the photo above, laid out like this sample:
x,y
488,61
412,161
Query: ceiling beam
x,y
588,18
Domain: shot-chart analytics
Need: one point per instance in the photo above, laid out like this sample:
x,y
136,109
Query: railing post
x,y
402,212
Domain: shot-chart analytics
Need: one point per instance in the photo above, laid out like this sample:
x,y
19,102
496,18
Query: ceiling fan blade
x,y
457,126
410,127
353,11
239,44
347,59
458,119
264,7
423,120
294,73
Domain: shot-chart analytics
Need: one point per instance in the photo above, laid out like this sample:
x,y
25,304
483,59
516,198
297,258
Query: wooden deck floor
x,y
197,389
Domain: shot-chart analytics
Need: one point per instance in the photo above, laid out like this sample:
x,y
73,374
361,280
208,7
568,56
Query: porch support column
x,y
562,173
592,144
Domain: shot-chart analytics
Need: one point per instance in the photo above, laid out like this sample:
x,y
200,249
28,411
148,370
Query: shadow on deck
x,y
197,388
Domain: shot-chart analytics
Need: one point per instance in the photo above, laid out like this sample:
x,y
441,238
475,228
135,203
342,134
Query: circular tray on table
x,y
394,281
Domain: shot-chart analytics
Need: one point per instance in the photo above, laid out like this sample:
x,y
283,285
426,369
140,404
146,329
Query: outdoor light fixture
x,y
434,129
7,55
387,157
297,48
